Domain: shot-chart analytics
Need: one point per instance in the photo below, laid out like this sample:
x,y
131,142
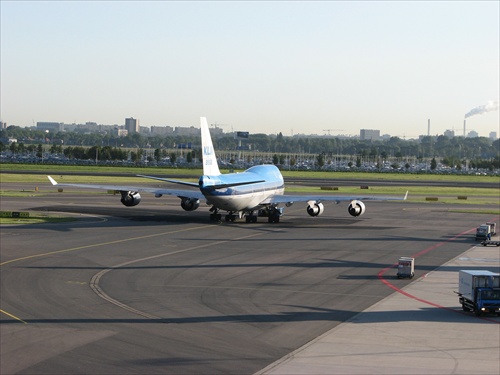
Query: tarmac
x,y
420,329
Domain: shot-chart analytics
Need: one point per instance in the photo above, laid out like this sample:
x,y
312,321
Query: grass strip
x,y
196,172
35,219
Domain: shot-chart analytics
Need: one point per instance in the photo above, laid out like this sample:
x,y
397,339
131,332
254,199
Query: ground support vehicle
x,y
479,291
493,228
490,243
406,267
482,232
485,231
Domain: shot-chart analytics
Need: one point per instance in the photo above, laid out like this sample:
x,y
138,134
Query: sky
x,y
326,67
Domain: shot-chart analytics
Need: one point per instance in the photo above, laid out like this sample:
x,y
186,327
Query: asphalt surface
x,y
155,289
417,330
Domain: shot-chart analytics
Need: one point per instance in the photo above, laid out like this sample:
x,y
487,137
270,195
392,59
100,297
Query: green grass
x,y
42,180
476,211
390,176
23,193
35,219
55,169
196,172
445,195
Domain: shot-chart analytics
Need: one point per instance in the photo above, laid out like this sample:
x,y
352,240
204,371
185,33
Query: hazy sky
x,y
294,67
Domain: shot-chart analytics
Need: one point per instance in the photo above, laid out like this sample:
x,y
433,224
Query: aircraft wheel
x,y
251,219
215,217
273,219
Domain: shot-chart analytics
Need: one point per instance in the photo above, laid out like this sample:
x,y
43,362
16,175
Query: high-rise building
x,y
132,125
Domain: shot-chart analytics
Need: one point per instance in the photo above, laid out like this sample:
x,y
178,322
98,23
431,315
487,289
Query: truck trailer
x,y
479,291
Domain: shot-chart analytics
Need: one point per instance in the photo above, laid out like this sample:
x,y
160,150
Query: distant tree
x,y
56,149
358,162
320,160
39,151
433,164
14,147
157,154
21,148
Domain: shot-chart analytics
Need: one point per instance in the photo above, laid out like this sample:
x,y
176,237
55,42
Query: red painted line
x,y
382,272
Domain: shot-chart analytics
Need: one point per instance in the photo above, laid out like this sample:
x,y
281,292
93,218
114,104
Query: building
x,y
132,125
162,130
191,131
449,133
472,134
50,126
368,134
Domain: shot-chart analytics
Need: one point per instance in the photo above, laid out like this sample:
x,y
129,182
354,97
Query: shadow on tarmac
x,y
425,314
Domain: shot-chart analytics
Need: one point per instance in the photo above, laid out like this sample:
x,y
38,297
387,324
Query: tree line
x,y
451,151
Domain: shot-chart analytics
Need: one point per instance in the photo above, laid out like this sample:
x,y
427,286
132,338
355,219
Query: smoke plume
x,y
490,106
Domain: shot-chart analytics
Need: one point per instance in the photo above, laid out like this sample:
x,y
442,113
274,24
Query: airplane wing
x,y
275,199
197,184
184,193
193,184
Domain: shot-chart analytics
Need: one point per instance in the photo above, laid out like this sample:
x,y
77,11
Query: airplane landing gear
x,y
230,217
216,217
274,215
251,218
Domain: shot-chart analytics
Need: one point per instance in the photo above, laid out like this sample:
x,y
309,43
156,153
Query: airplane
x,y
257,192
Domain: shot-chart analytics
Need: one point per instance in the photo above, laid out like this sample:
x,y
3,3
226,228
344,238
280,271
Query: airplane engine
x,y
190,204
315,209
356,208
130,198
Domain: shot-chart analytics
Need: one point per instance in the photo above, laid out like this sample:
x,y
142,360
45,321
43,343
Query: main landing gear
x,y
272,213
215,215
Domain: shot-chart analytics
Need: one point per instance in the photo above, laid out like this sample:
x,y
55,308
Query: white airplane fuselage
x,y
246,197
